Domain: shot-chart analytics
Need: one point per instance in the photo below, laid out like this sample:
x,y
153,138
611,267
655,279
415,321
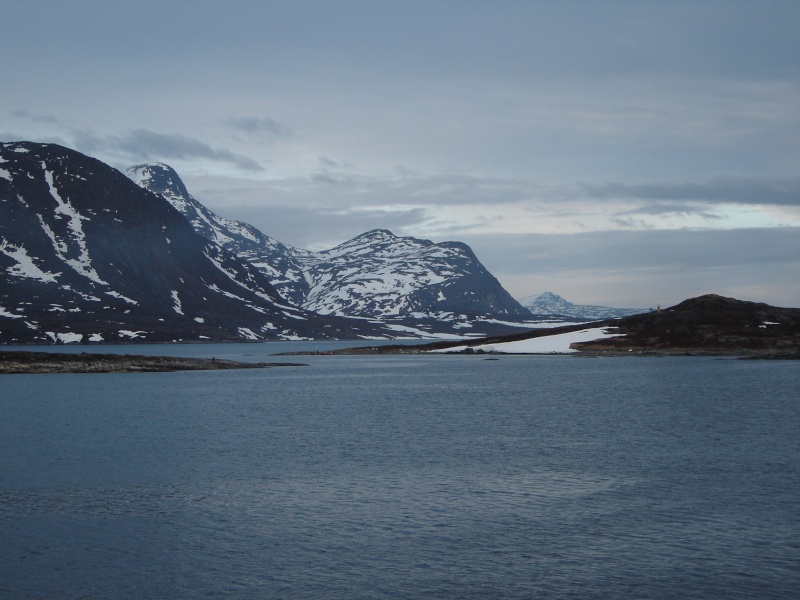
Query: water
x,y
404,477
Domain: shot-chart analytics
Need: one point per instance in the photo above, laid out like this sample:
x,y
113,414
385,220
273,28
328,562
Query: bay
x,y
404,477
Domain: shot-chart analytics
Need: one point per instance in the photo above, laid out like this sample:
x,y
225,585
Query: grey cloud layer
x,y
682,249
445,119
260,126
143,145
645,268
139,144
737,190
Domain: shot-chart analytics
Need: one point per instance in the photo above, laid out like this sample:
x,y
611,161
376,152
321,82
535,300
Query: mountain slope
x,y
281,263
548,304
87,255
410,283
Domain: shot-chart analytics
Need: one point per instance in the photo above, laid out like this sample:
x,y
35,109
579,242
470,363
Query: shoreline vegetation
x,y
19,362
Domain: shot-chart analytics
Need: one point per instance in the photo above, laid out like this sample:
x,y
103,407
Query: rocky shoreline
x,y
18,362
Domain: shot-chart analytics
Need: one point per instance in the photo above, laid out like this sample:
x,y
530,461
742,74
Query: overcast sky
x,y
621,153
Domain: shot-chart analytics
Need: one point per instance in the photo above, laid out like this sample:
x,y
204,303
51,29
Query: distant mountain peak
x,y
548,298
552,305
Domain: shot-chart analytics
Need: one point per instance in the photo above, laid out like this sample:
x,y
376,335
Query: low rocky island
x,y
58,362
707,325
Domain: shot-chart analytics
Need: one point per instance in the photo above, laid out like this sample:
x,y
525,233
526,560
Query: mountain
x,y
413,285
550,305
379,274
86,255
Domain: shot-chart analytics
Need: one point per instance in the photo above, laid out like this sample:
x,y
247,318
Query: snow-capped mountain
x,y
550,305
411,283
88,256
379,274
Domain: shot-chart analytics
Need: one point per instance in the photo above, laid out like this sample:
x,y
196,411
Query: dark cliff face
x,y
87,255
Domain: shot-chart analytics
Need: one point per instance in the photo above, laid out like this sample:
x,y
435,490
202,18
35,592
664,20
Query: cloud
x,y
330,178
322,228
737,190
669,208
262,127
409,187
12,136
24,114
144,145
643,268
684,249
327,162
137,145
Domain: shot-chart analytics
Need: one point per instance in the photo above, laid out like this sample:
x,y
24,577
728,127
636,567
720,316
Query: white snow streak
x,y
25,266
83,264
131,334
121,297
248,333
178,308
550,344
5,313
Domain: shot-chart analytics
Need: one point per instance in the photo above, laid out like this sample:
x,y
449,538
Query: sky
x,y
618,153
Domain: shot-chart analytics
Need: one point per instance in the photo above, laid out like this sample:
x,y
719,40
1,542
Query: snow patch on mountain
x,y
4,313
119,296
177,306
25,266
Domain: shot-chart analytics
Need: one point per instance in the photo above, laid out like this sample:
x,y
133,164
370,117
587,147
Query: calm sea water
x,y
404,477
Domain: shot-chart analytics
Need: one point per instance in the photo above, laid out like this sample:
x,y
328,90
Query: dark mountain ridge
x,y
709,324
